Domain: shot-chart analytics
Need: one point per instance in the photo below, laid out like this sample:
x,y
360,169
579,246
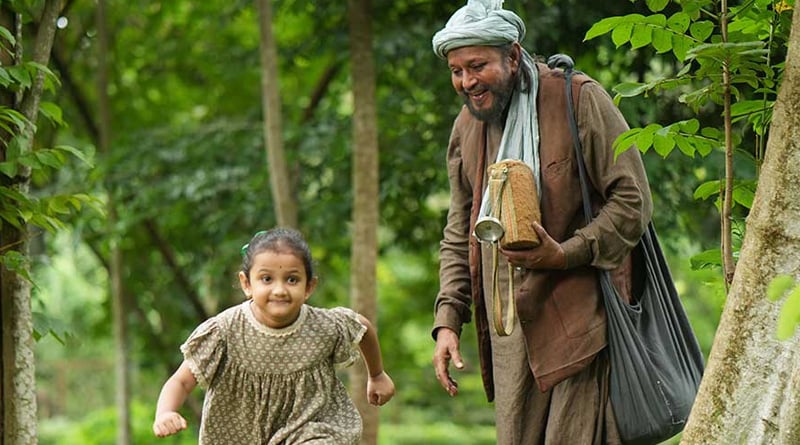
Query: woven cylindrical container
x,y
513,190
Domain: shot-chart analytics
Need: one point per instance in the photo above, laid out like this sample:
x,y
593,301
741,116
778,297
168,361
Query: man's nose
x,y
468,81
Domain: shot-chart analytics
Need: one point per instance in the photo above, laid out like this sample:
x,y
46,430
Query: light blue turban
x,y
480,22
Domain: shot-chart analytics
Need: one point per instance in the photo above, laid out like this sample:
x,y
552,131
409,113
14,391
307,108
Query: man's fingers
x,y
455,354
446,350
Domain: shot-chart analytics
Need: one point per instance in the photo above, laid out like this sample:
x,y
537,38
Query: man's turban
x,y
479,23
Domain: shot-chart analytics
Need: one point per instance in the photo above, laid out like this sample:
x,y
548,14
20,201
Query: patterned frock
x,y
276,386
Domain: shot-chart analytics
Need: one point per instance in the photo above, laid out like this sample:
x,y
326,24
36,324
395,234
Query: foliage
x,y
748,41
99,428
19,163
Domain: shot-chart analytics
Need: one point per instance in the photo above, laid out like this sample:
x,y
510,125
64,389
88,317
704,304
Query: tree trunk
x,y
119,309
365,196
749,393
282,193
19,367
6,100
19,377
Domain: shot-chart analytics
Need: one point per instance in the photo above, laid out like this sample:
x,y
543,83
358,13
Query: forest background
x,y
186,171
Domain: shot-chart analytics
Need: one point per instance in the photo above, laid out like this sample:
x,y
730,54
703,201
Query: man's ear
x,y
244,282
515,56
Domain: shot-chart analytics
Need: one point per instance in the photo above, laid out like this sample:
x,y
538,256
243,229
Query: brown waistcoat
x,y
561,312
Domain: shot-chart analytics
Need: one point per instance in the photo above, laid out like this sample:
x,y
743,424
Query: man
x,y
549,377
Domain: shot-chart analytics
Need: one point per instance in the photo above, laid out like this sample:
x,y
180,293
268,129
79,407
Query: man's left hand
x,y
547,255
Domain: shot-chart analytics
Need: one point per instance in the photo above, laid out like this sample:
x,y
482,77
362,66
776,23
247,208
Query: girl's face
x,y
278,286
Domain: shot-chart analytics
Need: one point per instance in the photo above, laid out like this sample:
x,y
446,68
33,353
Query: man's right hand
x,y
447,343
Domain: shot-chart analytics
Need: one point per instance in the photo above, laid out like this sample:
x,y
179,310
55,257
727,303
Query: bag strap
x,y
496,185
497,303
565,62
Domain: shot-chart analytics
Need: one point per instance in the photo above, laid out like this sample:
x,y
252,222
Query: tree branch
x,y
169,257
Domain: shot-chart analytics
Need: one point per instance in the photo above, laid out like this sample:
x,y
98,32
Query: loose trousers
x,y
577,411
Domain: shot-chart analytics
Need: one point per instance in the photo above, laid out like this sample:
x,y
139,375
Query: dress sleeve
x,y
204,350
351,332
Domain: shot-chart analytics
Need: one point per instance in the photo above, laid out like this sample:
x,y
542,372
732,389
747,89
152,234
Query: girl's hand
x,y
168,423
380,389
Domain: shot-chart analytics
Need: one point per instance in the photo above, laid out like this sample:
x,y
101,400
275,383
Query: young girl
x,y
267,365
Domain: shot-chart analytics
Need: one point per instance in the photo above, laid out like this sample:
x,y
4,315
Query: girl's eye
x,y
293,280
266,279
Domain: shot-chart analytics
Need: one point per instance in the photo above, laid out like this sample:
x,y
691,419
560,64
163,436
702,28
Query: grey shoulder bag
x,y
656,362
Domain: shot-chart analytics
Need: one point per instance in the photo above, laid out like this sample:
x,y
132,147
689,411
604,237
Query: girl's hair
x,y
278,240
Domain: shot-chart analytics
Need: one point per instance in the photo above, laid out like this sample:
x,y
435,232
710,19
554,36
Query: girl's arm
x,y
173,394
380,387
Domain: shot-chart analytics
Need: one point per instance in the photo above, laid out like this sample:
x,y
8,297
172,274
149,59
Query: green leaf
x,y
690,126
657,5
663,144
701,30
9,168
5,78
44,325
681,46
789,317
662,40
641,36
745,107
625,141
52,111
602,27
49,74
21,76
58,205
17,263
744,196
713,133
13,117
7,36
704,147
707,189
685,70
12,219
778,286
684,145
679,22
49,158
86,158
622,33
645,139
706,259
656,20
630,89
693,9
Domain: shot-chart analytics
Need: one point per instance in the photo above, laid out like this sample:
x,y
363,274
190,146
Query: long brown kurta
x,y
560,311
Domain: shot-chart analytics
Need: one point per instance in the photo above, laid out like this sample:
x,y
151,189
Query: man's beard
x,y
501,95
